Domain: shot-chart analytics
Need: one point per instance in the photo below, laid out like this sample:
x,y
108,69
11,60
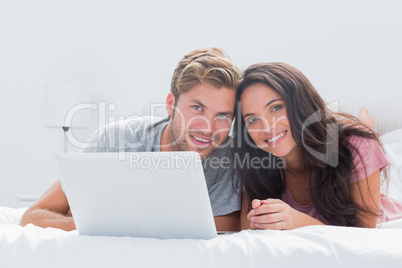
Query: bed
x,y
312,246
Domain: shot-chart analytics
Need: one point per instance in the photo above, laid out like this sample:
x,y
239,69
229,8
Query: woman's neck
x,y
293,162
297,178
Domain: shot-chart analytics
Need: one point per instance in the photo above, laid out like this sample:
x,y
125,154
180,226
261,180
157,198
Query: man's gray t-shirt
x,y
143,134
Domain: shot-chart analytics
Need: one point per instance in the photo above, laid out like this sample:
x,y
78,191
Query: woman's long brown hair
x,y
315,129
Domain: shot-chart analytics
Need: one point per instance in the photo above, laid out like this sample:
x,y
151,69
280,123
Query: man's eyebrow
x,y
198,102
266,105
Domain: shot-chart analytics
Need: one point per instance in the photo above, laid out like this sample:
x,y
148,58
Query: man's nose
x,y
205,123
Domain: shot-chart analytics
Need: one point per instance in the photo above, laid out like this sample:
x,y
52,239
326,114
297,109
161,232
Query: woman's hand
x,y
275,214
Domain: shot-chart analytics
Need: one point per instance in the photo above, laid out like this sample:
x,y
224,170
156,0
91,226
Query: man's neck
x,y
164,142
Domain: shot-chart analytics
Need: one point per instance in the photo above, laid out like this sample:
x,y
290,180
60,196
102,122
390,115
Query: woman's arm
x,y
366,193
278,215
272,214
275,214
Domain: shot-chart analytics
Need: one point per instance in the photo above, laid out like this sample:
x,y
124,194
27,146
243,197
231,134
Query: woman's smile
x,y
265,116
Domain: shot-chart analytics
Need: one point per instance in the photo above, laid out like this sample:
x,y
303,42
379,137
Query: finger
x,y
252,226
268,209
273,201
256,203
267,218
269,226
250,214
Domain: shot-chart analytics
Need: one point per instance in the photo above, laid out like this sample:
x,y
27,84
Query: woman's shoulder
x,y
361,143
358,135
367,156
363,146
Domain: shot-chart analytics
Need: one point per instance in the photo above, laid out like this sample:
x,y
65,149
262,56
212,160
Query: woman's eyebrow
x,y
248,115
266,105
269,103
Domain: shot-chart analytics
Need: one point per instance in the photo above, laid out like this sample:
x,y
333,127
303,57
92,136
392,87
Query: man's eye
x,y
197,107
223,116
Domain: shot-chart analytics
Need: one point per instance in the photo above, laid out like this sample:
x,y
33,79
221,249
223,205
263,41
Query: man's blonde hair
x,y
211,66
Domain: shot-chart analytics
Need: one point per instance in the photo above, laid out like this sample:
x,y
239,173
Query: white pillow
x,y
11,215
392,137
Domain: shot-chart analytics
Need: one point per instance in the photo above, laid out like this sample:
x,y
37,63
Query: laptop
x,y
142,194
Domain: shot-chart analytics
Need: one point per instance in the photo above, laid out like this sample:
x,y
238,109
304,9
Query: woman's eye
x,y
276,107
251,120
197,107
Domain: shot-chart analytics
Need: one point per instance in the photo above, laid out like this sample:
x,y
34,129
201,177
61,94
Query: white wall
x,y
125,51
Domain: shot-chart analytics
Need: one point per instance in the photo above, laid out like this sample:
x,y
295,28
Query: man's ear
x,y
170,101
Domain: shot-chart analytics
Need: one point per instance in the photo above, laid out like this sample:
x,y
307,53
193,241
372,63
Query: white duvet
x,y
313,246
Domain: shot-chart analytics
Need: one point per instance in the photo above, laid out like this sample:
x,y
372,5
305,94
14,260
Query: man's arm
x,y
50,210
245,209
230,222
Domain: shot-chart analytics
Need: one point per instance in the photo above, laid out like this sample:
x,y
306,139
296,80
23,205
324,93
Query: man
x,y
200,107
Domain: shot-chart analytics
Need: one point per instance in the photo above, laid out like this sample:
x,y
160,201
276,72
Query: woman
x,y
324,167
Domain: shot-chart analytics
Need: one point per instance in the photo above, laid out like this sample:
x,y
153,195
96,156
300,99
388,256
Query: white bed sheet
x,y
394,154
313,246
